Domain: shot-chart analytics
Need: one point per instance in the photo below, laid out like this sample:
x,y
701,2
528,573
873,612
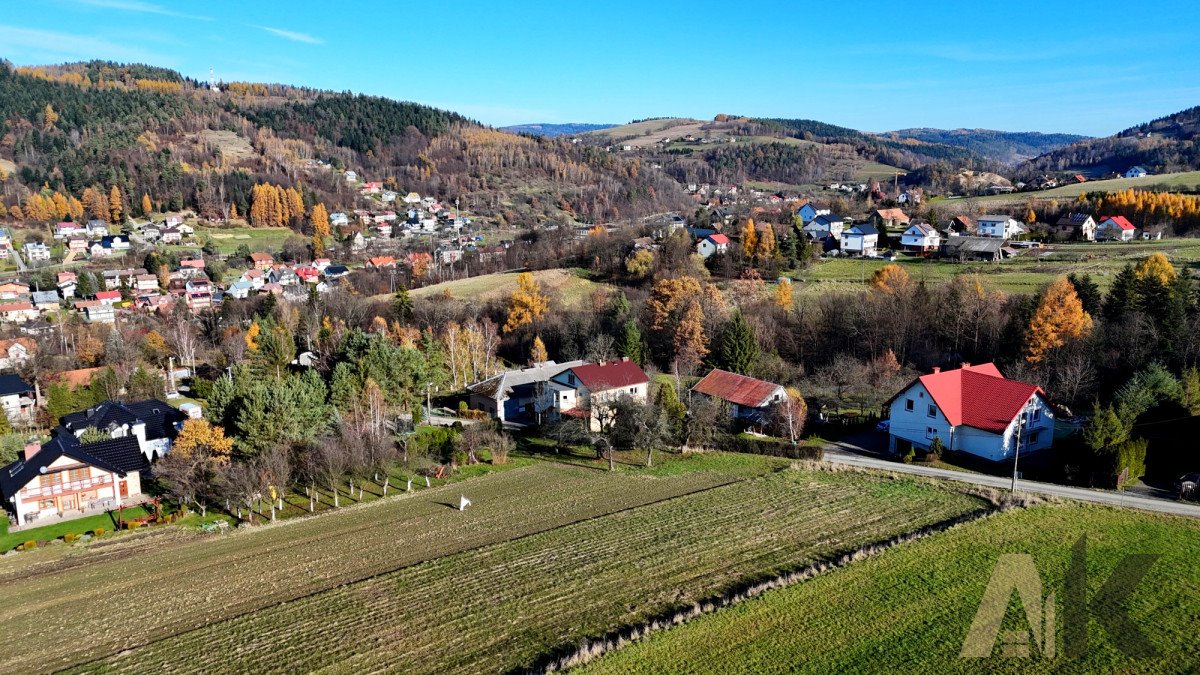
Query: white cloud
x,y
142,7
293,35
33,46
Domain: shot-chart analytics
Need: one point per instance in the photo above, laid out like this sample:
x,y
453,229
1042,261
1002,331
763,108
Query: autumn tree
x,y
764,251
97,206
691,344
526,304
749,239
147,206
639,263
200,436
891,279
1059,317
320,223
49,117
114,205
537,353
783,295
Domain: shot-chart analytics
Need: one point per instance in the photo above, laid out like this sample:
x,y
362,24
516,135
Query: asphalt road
x,y
850,455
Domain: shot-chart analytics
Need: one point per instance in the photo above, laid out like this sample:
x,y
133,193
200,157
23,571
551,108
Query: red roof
x,y
739,389
610,375
1121,222
719,239
261,257
15,307
978,396
108,295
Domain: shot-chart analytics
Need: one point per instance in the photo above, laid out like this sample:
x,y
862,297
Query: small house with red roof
x,y
749,399
713,243
972,409
1115,228
590,390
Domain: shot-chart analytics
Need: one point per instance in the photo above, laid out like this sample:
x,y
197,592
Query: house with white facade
x,y
750,400
1136,172
861,239
825,225
1115,228
1000,227
972,409
36,251
712,244
520,396
920,238
589,391
1075,226
16,351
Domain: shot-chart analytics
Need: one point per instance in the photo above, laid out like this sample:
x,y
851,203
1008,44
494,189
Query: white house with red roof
x,y
1115,228
713,243
972,409
749,398
590,389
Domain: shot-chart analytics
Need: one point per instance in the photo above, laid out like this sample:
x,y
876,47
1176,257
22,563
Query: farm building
x,y
972,409
974,248
750,399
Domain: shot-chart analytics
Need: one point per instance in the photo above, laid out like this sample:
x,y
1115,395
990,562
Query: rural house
x,y
972,409
808,211
824,225
1000,227
589,390
860,239
152,423
262,261
713,243
1115,228
963,225
17,397
1136,172
16,351
750,399
518,395
889,218
920,238
1075,226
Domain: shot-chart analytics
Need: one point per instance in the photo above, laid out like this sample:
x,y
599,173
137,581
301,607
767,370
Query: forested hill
x,y
1009,147
151,131
1165,145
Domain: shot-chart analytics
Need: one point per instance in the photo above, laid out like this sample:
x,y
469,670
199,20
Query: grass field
x,y
10,540
7,166
909,609
228,239
1188,180
566,286
1026,273
548,554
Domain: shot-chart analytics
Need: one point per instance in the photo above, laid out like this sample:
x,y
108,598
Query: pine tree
x,y
1088,292
629,342
736,347
1059,317
668,402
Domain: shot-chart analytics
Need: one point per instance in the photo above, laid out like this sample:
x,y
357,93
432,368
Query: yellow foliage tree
x,y
97,206
147,205
49,117
114,204
233,212
526,304
1059,317
199,436
667,296
76,208
691,343
749,239
251,336
639,263
766,245
16,212
783,295
1157,267
891,279
538,353
320,223
62,208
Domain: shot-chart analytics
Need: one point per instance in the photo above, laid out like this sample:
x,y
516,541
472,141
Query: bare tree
x,y
275,469
181,332
326,464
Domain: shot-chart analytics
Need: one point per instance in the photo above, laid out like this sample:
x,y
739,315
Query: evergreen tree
x,y
674,410
1088,292
629,342
736,348
402,305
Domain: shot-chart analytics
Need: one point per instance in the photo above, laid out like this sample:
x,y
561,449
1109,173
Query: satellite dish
x,y
42,470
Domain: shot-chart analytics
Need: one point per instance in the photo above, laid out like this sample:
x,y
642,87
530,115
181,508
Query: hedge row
x,y
771,446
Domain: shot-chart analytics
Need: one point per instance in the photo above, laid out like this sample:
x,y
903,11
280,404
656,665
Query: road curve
x,y
843,455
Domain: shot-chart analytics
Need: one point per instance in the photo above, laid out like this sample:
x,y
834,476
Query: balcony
x,y
66,487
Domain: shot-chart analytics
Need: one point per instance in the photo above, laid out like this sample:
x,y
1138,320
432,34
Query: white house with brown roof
x,y
749,398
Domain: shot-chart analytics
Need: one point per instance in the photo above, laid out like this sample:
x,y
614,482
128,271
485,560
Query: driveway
x,y
849,453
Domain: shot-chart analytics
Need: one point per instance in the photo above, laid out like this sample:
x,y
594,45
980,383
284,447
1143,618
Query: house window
x,y
1033,437
571,380
908,404
44,504
50,479
932,410
77,474
1035,415
633,390
930,432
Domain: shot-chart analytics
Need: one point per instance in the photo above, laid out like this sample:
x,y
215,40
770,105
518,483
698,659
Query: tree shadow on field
x,y
448,505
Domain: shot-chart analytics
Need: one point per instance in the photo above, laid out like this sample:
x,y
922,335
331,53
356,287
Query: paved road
x,y
850,455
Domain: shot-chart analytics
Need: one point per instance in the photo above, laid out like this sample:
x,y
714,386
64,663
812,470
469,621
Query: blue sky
x,y
1042,66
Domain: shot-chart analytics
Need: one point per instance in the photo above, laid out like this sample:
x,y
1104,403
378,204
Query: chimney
x,y
624,359
937,369
966,364
31,449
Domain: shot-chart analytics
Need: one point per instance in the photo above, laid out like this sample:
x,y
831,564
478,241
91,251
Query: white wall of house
x,y
925,421
853,242
66,498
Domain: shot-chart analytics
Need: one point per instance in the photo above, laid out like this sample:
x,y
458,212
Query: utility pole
x,y
1017,450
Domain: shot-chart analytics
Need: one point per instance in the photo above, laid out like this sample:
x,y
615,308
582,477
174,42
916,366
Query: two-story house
x,y
712,244
1000,227
920,238
590,390
825,225
861,239
972,409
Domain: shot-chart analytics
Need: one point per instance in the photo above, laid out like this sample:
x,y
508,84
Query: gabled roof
x,y
739,389
159,417
827,218
259,256
923,229
610,375
864,229
498,386
1120,221
978,396
1073,219
897,215
995,219
118,455
718,239
15,307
